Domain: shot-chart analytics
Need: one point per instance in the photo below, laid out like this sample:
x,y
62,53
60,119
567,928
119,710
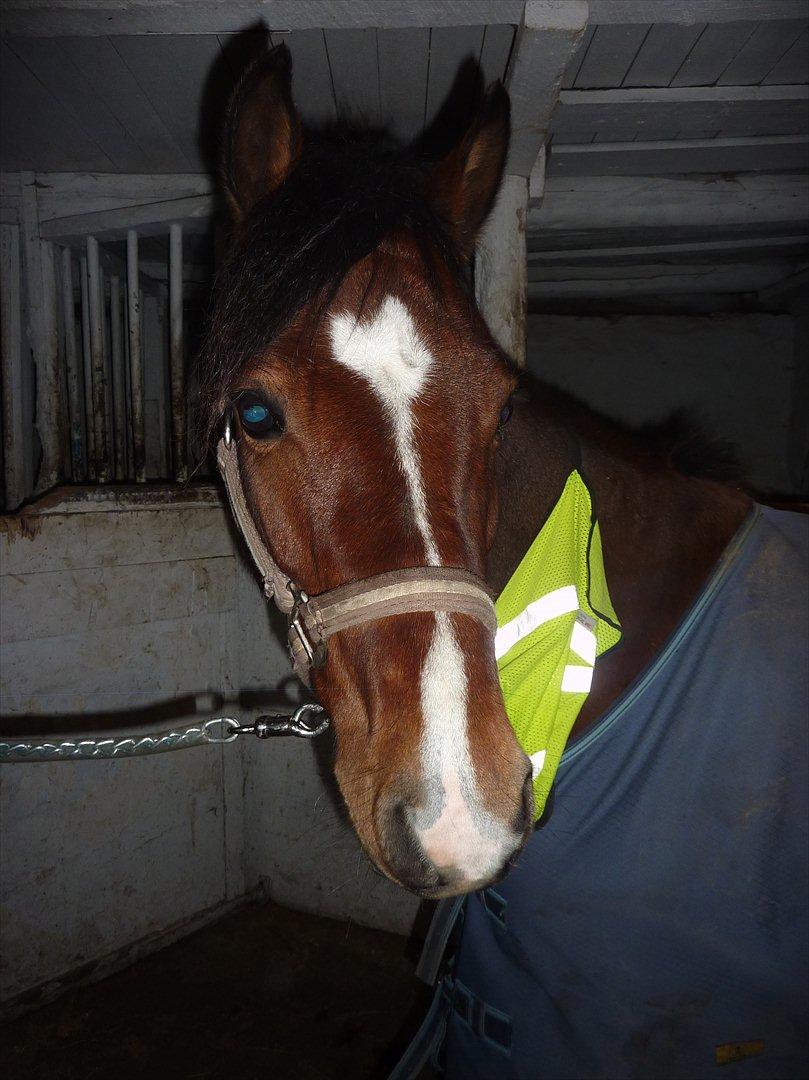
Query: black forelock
x,y
345,195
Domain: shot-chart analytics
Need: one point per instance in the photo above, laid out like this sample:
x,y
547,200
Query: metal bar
x,y
118,378
16,478
87,364
94,285
75,388
179,449
129,447
105,338
135,359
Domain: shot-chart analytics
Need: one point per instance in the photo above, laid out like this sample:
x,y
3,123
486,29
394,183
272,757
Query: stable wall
x,y
122,612
740,377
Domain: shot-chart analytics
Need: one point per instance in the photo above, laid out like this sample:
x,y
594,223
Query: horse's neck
x,y
662,532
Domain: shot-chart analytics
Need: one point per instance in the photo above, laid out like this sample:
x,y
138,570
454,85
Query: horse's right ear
x,y
262,137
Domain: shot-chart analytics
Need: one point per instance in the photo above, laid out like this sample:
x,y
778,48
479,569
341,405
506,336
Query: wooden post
x,y
179,449
87,364
15,452
94,286
43,334
135,359
501,268
75,387
118,379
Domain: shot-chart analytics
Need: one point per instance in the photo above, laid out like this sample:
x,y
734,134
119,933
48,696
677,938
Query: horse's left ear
x,y
463,185
262,137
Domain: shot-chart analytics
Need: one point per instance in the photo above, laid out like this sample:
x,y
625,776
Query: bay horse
x,y
378,427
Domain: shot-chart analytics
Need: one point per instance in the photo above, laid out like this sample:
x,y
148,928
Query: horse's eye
x,y
505,413
259,417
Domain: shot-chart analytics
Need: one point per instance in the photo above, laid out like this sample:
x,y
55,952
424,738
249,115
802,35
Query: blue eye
x,y
259,417
254,414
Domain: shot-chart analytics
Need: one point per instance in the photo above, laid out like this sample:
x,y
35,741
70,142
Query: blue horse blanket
x,y
656,926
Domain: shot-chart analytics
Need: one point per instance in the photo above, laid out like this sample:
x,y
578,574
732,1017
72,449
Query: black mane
x,y
347,193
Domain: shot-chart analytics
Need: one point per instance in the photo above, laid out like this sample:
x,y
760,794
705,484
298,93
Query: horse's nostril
x,y
408,861
525,815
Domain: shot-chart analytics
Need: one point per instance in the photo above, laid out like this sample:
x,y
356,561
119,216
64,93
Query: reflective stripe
x,y
577,679
537,761
583,642
551,606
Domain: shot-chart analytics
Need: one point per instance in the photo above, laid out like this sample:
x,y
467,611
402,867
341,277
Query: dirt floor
x,y
265,992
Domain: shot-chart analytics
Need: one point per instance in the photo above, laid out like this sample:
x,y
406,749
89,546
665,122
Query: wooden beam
x,y
134,300
50,18
99,399
179,447
614,202
62,195
16,451
150,219
500,268
41,293
757,154
730,249
608,12
75,385
545,42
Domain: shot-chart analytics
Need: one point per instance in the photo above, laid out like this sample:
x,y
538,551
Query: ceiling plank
x,y
604,12
403,62
495,52
712,53
662,54
51,18
762,50
680,156
449,47
354,68
611,53
312,87
793,67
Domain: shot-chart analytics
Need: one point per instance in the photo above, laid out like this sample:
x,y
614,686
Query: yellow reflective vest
x,y
555,618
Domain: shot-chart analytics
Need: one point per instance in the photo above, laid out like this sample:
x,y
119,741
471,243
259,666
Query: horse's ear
x,y
463,185
262,138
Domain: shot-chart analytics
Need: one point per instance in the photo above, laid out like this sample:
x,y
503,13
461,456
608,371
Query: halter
x,y
311,620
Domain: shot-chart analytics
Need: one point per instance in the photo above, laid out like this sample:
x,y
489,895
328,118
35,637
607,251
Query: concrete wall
x,y
740,376
139,607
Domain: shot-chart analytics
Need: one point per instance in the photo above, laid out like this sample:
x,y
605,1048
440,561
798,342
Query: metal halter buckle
x,y
315,651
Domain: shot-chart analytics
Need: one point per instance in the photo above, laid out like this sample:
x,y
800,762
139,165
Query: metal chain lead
x,y
308,721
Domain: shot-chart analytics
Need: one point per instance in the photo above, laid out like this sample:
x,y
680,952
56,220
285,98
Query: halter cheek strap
x,y
313,619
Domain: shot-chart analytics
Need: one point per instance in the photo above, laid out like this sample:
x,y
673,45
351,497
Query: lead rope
x,y
306,722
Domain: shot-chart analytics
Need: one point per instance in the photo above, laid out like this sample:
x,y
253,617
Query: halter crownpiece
x,y
311,620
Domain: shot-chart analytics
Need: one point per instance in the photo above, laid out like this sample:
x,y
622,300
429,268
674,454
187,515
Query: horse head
x,y
368,400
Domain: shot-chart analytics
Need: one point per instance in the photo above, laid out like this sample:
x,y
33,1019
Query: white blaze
x,y
455,830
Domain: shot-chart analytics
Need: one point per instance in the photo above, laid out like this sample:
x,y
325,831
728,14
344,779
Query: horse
x,y
378,429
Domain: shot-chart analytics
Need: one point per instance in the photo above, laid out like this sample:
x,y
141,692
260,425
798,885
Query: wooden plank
x,y
17,478
681,156
716,48
37,131
692,11
312,87
403,64
39,18
43,335
500,269
118,377
648,202
662,54
134,301
449,48
611,54
495,52
793,67
110,78
63,194
179,448
354,68
577,59
545,42
73,371
689,112
52,62
762,50
172,72
148,219
724,250
654,279
87,363
99,397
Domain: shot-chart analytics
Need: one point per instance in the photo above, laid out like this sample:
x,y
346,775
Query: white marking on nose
x,y
455,830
